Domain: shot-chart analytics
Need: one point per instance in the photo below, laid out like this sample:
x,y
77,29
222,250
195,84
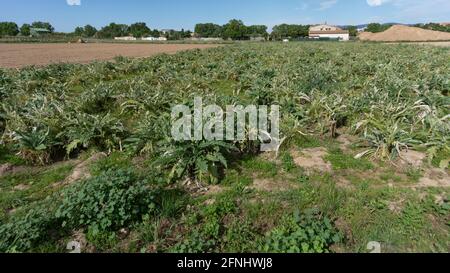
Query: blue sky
x,y
65,15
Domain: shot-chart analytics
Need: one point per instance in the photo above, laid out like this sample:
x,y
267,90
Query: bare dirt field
x,y
20,55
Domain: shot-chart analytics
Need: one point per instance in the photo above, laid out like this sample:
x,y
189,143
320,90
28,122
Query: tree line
x,y
12,29
237,30
234,29
137,30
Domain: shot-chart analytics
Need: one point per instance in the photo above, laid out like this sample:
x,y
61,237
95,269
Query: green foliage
x,y
6,156
25,30
376,27
25,232
234,29
86,131
353,30
414,174
201,161
206,237
87,31
44,25
341,161
302,233
196,243
386,139
283,31
394,100
113,30
435,27
103,240
34,186
139,30
115,161
8,29
208,30
107,202
263,167
35,146
240,237
171,203
288,162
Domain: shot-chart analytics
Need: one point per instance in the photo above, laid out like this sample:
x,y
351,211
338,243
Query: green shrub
x,y
101,205
201,161
207,236
24,232
115,161
306,233
107,202
196,243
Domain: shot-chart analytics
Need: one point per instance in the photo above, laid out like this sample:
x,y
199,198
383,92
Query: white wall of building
x,y
343,37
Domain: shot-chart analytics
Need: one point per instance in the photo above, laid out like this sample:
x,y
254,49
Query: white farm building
x,y
327,31
154,38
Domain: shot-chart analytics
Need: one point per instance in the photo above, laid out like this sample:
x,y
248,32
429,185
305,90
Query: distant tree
x,y
353,30
435,27
208,30
89,31
235,30
155,33
79,31
376,27
44,25
139,30
25,30
186,33
257,31
283,31
8,29
113,30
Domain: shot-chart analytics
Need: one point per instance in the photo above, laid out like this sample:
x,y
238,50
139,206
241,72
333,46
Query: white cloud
x,y
327,4
74,2
376,3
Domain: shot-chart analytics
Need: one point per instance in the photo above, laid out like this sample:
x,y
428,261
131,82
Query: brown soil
x,y
20,55
312,159
269,185
346,141
81,171
401,33
5,168
411,158
21,187
434,178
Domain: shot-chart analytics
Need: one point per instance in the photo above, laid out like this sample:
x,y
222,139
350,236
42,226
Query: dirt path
x,y
20,55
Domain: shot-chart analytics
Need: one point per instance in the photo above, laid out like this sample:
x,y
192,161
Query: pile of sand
x,y
399,33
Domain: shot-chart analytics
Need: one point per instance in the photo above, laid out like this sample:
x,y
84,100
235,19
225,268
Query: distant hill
x,y
365,25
